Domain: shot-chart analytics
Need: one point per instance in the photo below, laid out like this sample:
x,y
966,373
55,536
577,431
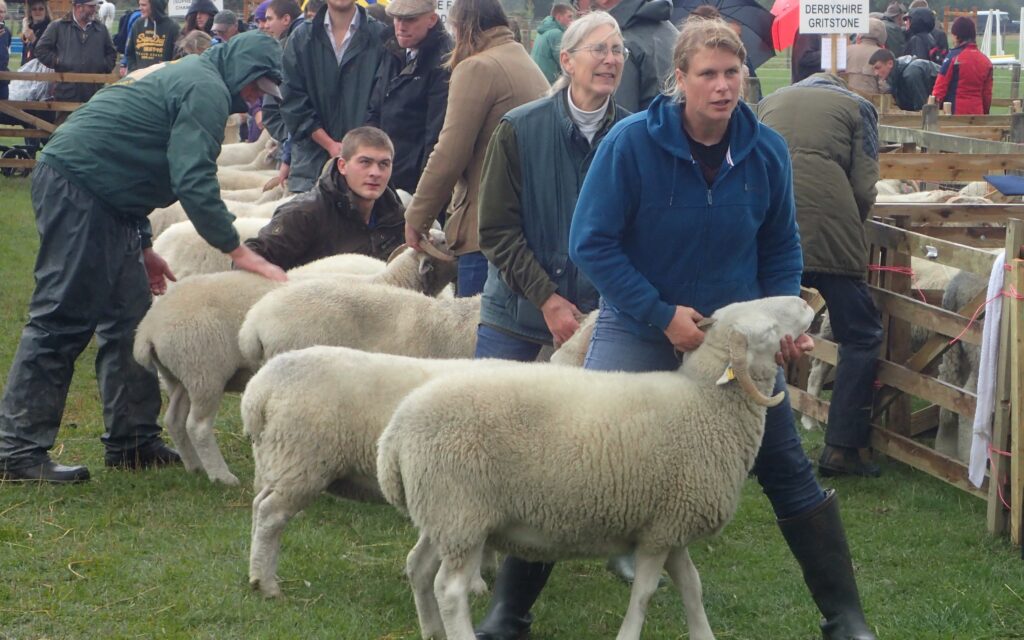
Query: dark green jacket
x,y
532,175
832,137
547,46
320,93
164,142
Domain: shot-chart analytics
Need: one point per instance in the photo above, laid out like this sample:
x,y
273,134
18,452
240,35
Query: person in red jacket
x,y
965,79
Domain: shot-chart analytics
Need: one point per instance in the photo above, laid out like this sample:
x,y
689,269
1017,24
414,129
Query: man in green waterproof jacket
x,y
97,180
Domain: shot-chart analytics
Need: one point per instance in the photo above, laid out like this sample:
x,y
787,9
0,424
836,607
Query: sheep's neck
x,y
708,362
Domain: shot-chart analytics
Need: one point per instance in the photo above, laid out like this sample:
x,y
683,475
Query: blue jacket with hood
x,y
651,234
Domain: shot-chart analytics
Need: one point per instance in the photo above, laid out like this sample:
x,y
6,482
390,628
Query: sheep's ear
x,y
727,376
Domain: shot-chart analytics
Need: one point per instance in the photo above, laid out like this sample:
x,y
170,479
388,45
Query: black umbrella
x,y
755,20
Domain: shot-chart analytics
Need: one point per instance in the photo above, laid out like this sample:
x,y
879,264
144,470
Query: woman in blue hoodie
x,y
689,207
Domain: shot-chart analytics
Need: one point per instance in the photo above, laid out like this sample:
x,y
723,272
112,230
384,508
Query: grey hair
x,y
577,33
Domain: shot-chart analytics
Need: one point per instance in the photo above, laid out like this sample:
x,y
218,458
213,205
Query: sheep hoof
x,y
228,479
268,589
478,586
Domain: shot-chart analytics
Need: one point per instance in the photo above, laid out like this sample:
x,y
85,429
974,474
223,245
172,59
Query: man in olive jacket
x,y
832,134
329,66
77,43
96,267
350,210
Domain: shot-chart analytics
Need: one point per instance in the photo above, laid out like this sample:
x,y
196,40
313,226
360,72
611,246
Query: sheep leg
x,y
451,588
200,430
174,420
648,572
815,381
684,575
270,513
421,566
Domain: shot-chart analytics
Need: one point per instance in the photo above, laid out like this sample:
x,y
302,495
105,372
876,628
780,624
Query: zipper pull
x,y
709,196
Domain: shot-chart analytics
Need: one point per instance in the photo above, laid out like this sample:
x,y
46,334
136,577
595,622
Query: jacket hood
x,y
201,6
244,58
157,10
922,20
630,12
549,24
665,125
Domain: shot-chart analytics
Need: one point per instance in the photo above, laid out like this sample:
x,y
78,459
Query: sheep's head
x,y
436,267
751,332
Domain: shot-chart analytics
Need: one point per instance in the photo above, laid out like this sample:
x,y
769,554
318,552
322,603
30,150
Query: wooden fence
x,y
28,117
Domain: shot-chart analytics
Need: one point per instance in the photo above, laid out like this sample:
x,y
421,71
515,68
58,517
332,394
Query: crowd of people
x,y
566,182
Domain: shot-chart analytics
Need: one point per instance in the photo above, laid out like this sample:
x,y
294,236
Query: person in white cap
x,y
97,181
410,92
77,44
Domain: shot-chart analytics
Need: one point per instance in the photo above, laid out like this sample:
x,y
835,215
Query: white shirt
x,y
339,50
587,121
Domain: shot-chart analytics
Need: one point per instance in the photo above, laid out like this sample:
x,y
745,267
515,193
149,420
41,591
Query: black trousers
x,y
89,280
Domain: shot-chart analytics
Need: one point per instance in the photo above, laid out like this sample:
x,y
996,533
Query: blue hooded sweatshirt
x,y
650,234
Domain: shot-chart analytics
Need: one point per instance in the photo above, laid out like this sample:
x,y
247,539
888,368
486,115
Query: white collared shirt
x,y
339,50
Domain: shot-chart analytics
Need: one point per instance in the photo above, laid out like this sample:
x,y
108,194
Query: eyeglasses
x,y
600,51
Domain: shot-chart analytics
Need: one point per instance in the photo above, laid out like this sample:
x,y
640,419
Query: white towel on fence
x,y
987,374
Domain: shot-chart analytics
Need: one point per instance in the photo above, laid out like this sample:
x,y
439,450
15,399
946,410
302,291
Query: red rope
x,y
1007,293
907,271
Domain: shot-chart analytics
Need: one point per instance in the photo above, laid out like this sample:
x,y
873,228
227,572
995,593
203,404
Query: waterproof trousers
x,y
858,330
90,279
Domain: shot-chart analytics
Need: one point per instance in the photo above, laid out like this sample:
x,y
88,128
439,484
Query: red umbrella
x,y
787,21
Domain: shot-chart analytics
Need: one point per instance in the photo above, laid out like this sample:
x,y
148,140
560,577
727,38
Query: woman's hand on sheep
x,y
158,271
561,316
248,260
413,237
790,349
682,331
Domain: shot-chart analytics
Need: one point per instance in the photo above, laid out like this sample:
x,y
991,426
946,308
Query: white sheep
x,y
255,194
190,336
240,153
239,178
935,195
548,463
161,219
188,254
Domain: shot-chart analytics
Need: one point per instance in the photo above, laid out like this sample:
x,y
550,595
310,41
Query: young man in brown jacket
x,y
350,210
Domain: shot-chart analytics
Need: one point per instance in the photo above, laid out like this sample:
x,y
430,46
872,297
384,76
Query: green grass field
x,y
164,554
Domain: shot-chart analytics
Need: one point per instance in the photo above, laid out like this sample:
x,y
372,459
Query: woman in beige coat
x,y
491,74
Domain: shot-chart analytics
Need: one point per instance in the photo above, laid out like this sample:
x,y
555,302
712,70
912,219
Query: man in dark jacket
x,y
650,37
152,36
910,79
806,57
832,134
329,67
77,44
410,94
96,267
895,39
350,210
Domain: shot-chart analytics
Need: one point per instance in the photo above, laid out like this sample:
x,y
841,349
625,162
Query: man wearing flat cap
x,y
410,92
895,37
77,43
96,268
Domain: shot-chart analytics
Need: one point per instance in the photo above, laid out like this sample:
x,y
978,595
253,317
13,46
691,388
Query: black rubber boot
x,y
155,455
515,590
46,471
818,542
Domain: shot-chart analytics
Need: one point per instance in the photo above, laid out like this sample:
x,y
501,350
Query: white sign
x,y
443,7
834,16
826,54
179,8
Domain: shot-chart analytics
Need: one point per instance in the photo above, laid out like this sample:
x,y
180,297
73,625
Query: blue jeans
x,y
781,466
491,343
858,330
472,275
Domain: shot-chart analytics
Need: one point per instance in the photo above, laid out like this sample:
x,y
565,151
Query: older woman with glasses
x,y
534,295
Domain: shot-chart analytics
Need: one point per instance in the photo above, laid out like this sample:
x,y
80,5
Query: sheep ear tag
x,y
727,376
